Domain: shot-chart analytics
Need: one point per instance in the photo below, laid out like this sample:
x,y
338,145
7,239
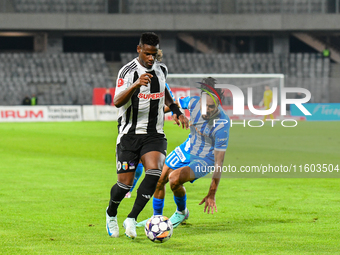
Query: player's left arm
x,y
167,108
209,200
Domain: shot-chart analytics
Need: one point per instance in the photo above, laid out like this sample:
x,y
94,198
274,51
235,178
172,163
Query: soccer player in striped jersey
x,y
205,147
140,96
139,168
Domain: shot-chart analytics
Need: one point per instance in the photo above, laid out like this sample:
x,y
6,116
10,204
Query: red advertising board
x,y
98,99
99,94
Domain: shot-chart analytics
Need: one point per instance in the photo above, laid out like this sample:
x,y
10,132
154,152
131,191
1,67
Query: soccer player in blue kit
x,y
205,147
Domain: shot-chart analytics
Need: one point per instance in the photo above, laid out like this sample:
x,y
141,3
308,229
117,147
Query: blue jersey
x,y
207,135
215,137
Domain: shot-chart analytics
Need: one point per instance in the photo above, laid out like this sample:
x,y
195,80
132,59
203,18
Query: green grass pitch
x,y
56,177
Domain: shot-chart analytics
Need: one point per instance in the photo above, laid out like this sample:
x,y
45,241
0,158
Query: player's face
x,y
211,108
147,55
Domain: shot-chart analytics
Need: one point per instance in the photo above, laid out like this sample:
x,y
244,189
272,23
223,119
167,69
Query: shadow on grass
x,y
212,227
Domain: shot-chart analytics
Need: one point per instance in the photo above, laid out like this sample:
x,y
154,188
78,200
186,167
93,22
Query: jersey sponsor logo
x,y
119,165
120,82
125,165
180,154
132,165
151,96
200,163
206,134
206,131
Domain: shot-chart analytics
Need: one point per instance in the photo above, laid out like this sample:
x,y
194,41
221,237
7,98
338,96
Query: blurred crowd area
x,y
64,67
171,6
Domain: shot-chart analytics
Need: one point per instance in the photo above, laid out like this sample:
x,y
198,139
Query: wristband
x,y
175,109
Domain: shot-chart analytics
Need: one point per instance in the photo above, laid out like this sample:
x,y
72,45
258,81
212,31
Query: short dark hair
x,y
211,84
149,38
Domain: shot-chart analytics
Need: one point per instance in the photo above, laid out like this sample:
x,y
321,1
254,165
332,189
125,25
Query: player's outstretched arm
x,y
167,108
123,97
209,200
177,116
181,120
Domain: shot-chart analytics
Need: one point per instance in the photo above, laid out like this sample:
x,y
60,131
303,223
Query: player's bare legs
x,y
126,178
153,160
176,179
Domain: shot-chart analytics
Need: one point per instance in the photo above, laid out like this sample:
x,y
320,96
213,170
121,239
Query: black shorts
x,y
132,147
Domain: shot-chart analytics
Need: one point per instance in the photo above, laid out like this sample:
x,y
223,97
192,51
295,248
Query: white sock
x,y
185,211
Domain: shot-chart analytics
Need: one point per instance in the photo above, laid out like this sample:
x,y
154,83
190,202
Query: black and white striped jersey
x,y
143,113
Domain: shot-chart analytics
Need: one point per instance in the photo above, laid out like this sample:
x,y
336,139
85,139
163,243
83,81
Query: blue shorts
x,y
181,157
200,166
177,158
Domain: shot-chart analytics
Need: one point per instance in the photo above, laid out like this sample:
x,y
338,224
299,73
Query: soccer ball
x,y
158,229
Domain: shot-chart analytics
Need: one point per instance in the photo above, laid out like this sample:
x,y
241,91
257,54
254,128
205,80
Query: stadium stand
x,y
100,6
307,70
68,78
174,6
171,6
281,6
60,6
57,79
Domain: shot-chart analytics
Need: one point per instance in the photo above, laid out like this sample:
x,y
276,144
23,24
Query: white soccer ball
x,y
158,229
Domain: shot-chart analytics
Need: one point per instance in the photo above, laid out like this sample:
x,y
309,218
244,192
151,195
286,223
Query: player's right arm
x,y
221,136
209,200
122,97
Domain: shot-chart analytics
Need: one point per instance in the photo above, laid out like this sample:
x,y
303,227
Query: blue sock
x,y
138,173
181,202
158,205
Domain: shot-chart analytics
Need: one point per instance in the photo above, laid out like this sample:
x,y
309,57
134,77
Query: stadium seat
x,y
308,70
77,72
280,6
57,6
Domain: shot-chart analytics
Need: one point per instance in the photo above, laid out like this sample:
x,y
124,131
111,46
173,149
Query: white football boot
x,y
130,227
112,226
